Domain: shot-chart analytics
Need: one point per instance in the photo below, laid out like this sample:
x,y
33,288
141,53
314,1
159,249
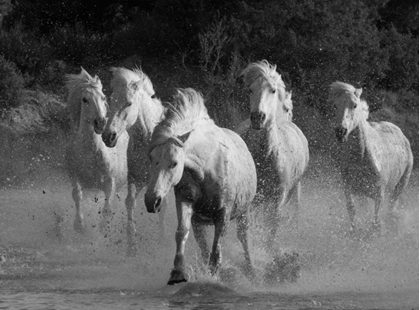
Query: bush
x,y
11,84
27,50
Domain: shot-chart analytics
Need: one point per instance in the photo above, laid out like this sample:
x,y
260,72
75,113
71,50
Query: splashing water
x,y
43,262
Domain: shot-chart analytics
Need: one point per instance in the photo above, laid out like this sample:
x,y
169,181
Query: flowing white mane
x,y
262,69
76,83
182,116
123,77
338,89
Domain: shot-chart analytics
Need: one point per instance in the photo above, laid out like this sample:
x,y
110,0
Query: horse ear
x,y
358,92
184,137
289,95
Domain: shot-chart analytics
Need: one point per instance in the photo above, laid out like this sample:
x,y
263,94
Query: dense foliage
x,y
369,43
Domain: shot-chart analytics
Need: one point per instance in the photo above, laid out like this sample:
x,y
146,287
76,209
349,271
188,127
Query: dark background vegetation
x,y
203,44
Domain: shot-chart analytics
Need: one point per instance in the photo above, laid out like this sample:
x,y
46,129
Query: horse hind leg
x,y
394,197
78,224
220,226
200,236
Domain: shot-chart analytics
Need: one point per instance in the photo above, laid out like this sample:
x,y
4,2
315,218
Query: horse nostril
x,y
96,123
261,116
157,203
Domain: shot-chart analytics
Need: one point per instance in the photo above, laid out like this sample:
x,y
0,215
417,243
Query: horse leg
x,y
162,230
200,236
106,213
242,223
130,204
220,225
78,224
350,209
378,204
184,212
296,194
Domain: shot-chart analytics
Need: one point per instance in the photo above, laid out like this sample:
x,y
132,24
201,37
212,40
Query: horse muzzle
x,y
99,125
257,120
153,203
109,138
341,134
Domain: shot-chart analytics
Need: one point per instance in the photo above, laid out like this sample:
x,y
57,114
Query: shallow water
x,y
44,264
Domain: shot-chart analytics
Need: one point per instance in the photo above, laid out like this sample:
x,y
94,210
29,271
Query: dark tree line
x,y
370,43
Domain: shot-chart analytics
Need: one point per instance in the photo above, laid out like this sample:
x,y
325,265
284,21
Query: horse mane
x,y
76,83
123,77
339,88
262,69
183,115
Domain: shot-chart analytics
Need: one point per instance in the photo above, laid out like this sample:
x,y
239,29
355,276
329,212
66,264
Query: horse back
x,y
391,150
224,172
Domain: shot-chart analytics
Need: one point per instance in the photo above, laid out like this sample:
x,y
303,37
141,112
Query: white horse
x,y
134,109
279,148
213,175
374,157
90,164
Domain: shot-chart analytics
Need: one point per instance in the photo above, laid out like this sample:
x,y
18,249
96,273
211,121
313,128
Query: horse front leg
x,y
184,213
378,205
242,233
220,225
350,209
162,227
78,224
106,212
296,204
130,203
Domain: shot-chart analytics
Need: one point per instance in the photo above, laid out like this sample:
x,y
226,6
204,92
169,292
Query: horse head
x,y
349,109
266,92
167,166
87,102
130,89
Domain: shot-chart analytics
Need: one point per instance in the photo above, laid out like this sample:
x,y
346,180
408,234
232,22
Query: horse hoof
x,y
131,251
177,276
79,226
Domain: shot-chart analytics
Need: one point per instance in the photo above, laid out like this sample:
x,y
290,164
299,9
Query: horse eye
x,y
84,100
273,91
355,106
104,98
153,96
173,165
250,90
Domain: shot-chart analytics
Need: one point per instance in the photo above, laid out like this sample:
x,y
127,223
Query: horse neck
x,y
357,142
88,136
149,115
268,137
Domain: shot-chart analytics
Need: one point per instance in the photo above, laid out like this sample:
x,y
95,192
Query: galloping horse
x,y
90,164
279,148
134,109
213,175
374,157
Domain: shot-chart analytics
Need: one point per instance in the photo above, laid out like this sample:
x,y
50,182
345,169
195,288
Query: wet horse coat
x,y
374,157
213,175
278,146
90,164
